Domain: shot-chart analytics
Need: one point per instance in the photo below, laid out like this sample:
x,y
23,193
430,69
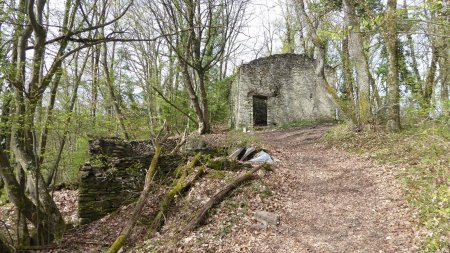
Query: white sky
x,y
263,16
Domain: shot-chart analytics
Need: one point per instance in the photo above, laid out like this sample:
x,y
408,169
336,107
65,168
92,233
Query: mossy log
x,y
225,163
183,183
219,196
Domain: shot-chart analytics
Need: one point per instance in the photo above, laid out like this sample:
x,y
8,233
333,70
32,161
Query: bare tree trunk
x,y
44,133
23,236
95,76
444,65
73,100
347,73
431,76
115,100
5,128
194,99
24,204
445,73
390,38
206,124
359,62
416,89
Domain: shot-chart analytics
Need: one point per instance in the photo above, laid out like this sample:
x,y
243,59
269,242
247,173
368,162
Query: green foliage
x,y
219,174
258,187
324,6
3,197
339,133
219,103
329,34
421,149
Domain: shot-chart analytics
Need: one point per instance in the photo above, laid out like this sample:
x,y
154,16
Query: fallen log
x,y
218,197
183,183
225,163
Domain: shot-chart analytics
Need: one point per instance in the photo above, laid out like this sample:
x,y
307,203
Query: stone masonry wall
x,y
115,174
290,85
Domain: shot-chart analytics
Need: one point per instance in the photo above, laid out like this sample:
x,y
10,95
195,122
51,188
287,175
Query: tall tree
x,y
198,32
358,61
320,45
391,40
30,75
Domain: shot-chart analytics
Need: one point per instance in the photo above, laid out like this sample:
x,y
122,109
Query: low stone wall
x,y
115,174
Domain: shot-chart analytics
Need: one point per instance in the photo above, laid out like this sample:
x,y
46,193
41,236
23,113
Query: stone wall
x,y
115,174
290,85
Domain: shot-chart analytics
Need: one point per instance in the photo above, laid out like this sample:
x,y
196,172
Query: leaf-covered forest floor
x,y
328,200
420,155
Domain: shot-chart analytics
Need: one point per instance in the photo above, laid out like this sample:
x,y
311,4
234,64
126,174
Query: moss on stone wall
x,y
115,174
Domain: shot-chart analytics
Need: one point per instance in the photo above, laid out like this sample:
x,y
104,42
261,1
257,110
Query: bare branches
x,y
209,27
91,27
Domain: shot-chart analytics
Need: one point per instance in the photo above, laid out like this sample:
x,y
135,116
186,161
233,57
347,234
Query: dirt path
x,y
329,201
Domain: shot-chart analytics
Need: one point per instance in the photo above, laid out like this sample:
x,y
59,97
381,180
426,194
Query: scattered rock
x,y
259,226
247,153
267,218
262,157
235,154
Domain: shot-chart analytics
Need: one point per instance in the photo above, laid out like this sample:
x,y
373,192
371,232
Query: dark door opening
x,y
260,111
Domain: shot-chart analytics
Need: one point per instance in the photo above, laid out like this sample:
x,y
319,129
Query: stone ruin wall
x,y
290,85
115,174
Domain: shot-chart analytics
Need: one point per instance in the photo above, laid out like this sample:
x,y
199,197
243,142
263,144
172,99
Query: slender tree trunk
x,y
194,99
206,126
23,236
115,100
445,77
5,128
51,104
95,76
347,73
444,63
431,76
390,38
73,100
416,89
